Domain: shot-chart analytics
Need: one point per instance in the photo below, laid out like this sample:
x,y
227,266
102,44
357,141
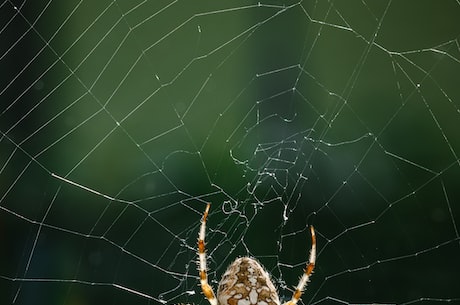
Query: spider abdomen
x,y
246,283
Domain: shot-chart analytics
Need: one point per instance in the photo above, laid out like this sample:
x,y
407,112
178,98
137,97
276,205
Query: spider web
x,y
120,120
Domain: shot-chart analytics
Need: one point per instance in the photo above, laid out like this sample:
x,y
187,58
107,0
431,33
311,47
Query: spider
x,y
246,282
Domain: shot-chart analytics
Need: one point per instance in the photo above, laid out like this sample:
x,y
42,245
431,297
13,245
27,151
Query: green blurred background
x,y
119,120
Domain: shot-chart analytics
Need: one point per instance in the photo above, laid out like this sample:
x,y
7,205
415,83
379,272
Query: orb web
x,y
120,120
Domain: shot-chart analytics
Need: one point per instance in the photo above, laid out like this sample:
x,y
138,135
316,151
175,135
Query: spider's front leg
x,y
205,287
307,272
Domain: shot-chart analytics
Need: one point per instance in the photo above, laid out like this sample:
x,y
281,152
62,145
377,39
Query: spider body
x,y
246,282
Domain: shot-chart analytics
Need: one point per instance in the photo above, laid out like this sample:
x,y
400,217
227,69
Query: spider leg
x,y
307,272
205,287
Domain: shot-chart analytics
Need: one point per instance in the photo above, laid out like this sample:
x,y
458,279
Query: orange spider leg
x,y
205,287
307,272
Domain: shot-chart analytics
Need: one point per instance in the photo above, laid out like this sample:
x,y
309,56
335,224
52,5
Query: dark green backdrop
x,y
119,120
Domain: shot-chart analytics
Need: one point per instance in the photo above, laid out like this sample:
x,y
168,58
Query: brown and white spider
x,y
246,282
